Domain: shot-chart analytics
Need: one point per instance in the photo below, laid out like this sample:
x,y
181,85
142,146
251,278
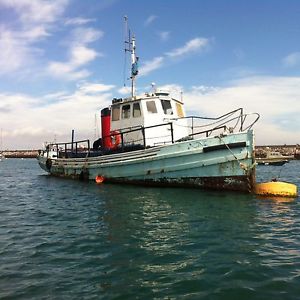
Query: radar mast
x,y
130,47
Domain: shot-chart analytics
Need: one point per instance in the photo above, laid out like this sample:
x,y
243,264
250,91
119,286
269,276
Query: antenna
x,y
125,49
153,88
130,47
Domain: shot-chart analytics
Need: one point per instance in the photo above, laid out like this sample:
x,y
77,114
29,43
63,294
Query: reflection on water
x,y
66,239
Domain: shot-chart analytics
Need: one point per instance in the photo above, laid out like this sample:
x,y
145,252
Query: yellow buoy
x,y
276,188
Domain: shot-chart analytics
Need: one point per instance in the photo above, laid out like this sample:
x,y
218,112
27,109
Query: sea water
x,y
65,239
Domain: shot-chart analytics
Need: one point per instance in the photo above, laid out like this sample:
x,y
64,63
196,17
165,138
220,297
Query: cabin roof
x,y
146,96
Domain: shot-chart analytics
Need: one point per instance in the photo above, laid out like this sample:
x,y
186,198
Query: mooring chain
x,y
249,185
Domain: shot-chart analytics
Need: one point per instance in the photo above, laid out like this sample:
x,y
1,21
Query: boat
x,y
297,153
148,139
1,151
273,158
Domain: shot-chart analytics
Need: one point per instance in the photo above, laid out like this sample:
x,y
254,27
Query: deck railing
x,y
230,122
70,149
234,121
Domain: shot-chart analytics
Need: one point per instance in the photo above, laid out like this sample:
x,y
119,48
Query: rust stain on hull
x,y
244,183
230,183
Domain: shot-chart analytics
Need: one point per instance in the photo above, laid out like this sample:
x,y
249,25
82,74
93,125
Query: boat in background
x,y
148,139
1,151
273,158
297,153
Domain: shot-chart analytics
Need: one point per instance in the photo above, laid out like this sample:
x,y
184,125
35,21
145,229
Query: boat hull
x,y
271,162
219,163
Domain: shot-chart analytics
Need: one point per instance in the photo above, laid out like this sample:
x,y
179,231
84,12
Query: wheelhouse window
x,y
126,111
179,110
136,110
166,106
151,107
116,113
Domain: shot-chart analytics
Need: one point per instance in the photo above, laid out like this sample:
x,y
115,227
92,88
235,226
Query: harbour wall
x,y
20,153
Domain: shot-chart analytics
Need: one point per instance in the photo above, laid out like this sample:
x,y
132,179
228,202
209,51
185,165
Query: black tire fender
x,y
48,163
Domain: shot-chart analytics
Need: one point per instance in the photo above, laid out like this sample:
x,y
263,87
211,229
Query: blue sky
x,y
61,61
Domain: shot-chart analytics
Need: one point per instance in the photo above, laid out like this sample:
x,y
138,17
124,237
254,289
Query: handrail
x,y
56,147
143,130
215,118
221,122
68,143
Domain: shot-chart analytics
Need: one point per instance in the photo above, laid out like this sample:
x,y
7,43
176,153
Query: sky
x,y
62,61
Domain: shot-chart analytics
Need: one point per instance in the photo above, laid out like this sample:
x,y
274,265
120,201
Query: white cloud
x,y
36,11
34,19
13,52
292,60
194,45
78,21
202,89
85,35
93,88
82,55
274,98
56,114
34,34
176,91
31,22
41,119
152,65
125,90
79,55
54,96
164,35
67,71
17,48
150,20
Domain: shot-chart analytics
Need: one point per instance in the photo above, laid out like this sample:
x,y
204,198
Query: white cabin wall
x,y
157,135
123,124
180,126
162,134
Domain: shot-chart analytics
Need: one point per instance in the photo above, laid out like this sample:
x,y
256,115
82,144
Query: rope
x,y
243,166
229,149
275,178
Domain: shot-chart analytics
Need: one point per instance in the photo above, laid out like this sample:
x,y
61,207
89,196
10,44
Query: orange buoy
x,y
99,179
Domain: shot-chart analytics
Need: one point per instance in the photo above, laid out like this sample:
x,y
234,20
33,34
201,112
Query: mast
x,y
130,47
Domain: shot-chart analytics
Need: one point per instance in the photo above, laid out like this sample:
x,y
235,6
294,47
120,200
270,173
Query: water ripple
x,y
63,239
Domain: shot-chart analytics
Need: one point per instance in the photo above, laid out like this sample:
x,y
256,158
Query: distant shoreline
x,y
20,153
